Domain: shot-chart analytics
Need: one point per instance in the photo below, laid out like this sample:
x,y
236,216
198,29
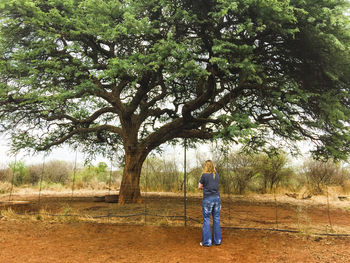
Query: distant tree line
x,y
239,174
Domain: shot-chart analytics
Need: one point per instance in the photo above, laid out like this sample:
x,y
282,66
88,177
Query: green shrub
x,y
20,173
95,177
273,170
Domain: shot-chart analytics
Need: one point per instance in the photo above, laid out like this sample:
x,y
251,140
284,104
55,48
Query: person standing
x,y
211,205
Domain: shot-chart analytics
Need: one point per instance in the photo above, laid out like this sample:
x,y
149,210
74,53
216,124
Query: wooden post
x,y
185,183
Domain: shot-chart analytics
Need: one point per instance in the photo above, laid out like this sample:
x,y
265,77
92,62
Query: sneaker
x,y
201,244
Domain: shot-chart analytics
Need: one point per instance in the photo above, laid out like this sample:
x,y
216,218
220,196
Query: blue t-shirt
x,y
210,185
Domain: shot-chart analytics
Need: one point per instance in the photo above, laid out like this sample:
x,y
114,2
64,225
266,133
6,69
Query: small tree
x,y
320,174
161,175
194,176
53,171
5,174
243,167
20,172
35,172
272,170
56,171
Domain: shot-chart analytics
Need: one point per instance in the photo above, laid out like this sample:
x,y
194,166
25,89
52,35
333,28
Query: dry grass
x,y
5,187
30,193
66,215
165,205
346,187
303,220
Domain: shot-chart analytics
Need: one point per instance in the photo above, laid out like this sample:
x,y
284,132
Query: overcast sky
x,y
64,153
174,153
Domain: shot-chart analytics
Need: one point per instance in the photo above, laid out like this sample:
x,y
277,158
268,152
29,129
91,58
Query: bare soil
x,y
60,228
90,242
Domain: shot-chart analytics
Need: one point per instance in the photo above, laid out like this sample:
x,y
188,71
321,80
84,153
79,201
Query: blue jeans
x,y
211,206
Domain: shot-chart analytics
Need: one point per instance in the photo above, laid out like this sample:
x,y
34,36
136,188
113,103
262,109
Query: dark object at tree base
x,y
306,196
342,198
111,198
99,198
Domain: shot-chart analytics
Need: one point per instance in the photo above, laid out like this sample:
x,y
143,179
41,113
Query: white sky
x,y
64,153
175,153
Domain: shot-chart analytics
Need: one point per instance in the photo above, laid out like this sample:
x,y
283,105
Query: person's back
x,y
209,182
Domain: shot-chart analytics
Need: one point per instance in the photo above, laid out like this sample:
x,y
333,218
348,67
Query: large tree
x,y
140,73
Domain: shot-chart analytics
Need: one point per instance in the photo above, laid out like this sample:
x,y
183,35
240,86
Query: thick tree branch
x,y
81,130
88,120
207,89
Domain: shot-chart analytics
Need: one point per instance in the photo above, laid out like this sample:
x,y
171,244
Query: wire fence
x,y
325,215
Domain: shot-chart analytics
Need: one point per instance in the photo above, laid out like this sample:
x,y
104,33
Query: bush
x,y
5,175
242,166
193,178
5,187
346,187
95,177
272,170
295,183
319,174
45,185
160,175
57,171
256,172
20,173
34,173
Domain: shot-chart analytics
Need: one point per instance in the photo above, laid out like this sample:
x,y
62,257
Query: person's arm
x,y
201,183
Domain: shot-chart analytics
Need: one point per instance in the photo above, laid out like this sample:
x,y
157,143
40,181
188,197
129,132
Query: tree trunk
x,y
130,185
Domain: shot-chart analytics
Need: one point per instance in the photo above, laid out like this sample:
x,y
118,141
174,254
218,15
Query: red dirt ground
x,y
27,241
34,238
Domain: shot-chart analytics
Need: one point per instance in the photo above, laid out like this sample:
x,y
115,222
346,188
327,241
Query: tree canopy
x,y
140,73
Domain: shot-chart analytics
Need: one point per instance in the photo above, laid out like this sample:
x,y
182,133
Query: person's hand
x,y
200,186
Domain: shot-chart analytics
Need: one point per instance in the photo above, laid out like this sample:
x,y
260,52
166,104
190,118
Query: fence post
x,y
276,208
185,182
145,194
41,180
230,186
74,173
13,178
110,176
328,211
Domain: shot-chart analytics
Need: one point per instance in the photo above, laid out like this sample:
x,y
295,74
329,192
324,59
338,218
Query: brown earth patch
x,y
27,241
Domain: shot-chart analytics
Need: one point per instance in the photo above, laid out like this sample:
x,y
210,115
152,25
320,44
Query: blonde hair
x,y
209,167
